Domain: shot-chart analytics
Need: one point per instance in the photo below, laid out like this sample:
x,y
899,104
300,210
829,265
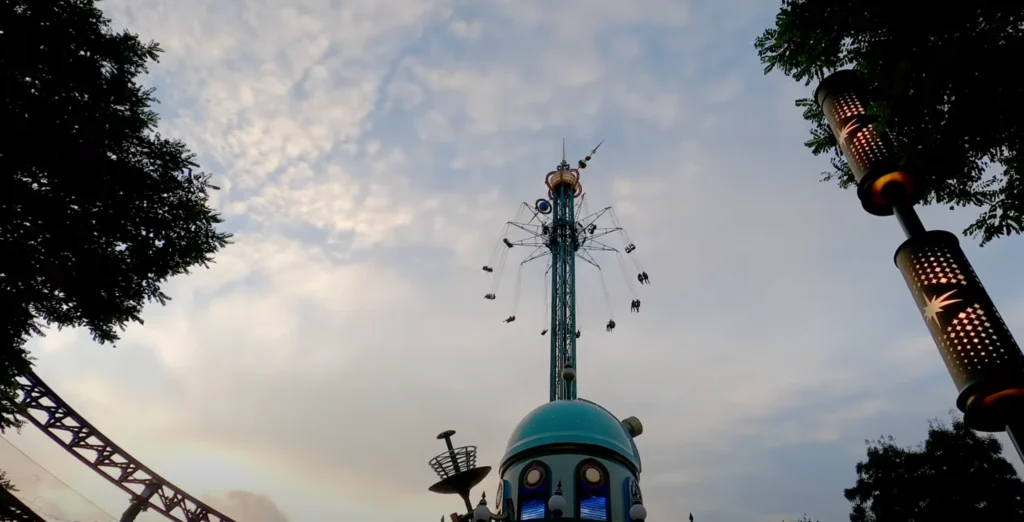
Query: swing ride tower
x,y
563,189
560,230
569,459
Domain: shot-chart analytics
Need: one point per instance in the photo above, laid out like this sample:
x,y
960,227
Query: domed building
x,y
580,447
569,459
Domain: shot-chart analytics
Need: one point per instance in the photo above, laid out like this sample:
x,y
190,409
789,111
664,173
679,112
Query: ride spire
x,y
563,242
554,443
556,232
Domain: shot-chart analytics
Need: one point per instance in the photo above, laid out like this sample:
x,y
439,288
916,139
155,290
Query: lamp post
x,y
982,357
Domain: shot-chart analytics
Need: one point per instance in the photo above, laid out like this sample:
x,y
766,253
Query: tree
x,y
941,82
5,483
97,210
955,475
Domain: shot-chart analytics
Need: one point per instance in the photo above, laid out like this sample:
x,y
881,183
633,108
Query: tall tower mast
x,y
556,229
563,189
564,240
567,441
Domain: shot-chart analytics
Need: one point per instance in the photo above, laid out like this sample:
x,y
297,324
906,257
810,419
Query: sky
x,y
368,154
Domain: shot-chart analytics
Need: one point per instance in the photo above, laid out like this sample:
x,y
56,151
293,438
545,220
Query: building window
x,y
592,499
504,493
534,490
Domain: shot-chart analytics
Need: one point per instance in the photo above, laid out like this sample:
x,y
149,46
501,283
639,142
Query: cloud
x,y
246,505
370,152
44,493
466,29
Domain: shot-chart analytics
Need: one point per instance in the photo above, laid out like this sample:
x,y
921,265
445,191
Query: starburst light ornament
x,y
936,304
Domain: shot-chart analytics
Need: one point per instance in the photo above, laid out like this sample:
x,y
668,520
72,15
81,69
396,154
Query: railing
x,y
445,467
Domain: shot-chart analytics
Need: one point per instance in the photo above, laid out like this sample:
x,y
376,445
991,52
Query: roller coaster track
x,y
48,412
14,510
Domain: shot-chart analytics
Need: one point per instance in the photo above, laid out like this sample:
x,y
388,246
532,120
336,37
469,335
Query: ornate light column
x,y
982,357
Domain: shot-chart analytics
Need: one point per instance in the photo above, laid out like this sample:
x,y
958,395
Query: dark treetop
x,y
945,80
956,475
96,209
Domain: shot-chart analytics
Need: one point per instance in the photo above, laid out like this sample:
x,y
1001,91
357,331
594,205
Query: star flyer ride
x,y
569,459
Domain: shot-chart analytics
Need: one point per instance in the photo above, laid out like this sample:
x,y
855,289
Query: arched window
x,y
631,494
534,490
592,498
504,493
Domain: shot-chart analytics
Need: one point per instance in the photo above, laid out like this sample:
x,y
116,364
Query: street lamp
x,y
980,353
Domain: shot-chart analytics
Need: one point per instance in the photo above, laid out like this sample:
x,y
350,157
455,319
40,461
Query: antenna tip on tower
x,y
564,165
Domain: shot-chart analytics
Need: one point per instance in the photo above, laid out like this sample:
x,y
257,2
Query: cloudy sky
x,y
369,152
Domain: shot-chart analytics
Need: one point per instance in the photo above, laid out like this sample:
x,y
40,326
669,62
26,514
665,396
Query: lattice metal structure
x,y
454,461
567,433
48,412
560,230
13,509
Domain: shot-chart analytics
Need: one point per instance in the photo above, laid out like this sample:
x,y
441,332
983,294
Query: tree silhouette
x,y
5,482
941,85
96,209
955,475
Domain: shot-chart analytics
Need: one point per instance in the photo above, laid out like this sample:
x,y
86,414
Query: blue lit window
x,y
534,490
533,509
594,508
592,491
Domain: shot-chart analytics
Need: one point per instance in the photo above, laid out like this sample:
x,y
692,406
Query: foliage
x,y
5,483
956,474
942,82
96,209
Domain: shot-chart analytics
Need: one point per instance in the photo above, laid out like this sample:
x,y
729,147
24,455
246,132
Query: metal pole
x,y
1015,429
139,503
570,259
447,436
910,222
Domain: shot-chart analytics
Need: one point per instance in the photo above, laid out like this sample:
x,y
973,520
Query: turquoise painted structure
x,y
578,422
570,459
563,440
570,442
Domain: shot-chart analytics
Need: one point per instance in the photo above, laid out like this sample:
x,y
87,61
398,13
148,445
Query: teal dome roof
x,y
571,422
